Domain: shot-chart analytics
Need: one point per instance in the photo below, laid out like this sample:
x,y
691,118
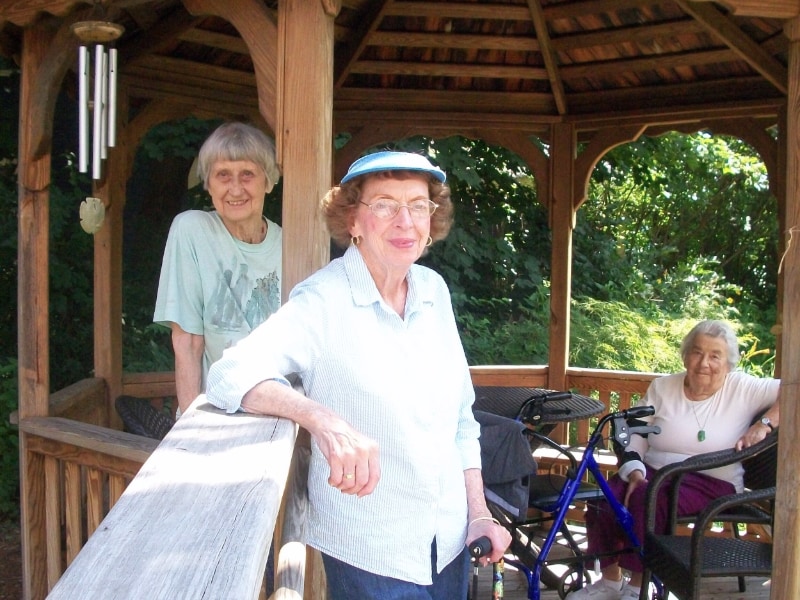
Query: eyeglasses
x,y
387,209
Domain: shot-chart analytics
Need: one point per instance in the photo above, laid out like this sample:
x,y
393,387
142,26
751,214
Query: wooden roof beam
x,y
180,81
638,33
390,67
165,67
453,41
212,39
419,122
488,103
507,12
344,63
220,103
160,36
672,61
457,10
664,107
25,13
573,10
775,9
549,56
751,52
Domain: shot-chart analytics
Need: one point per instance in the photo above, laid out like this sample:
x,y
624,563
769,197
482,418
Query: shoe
x,y
601,590
629,593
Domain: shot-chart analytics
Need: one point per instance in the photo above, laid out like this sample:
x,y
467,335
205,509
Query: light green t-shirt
x,y
215,285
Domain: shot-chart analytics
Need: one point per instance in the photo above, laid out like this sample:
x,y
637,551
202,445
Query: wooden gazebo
x,y
579,76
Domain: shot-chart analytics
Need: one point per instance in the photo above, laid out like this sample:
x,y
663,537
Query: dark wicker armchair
x,y
681,561
139,416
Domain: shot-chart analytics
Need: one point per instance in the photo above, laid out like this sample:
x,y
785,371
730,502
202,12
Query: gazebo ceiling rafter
x,y
541,60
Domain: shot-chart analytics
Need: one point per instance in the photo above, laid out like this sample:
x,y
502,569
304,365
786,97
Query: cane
x,y
481,547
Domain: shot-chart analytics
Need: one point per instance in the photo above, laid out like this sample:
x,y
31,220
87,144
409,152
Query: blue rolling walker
x,y
553,495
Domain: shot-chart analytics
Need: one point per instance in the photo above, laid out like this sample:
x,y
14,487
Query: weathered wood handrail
x,y
196,521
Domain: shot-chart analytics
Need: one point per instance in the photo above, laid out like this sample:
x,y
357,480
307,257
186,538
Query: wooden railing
x,y
81,470
84,471
197,519
616,389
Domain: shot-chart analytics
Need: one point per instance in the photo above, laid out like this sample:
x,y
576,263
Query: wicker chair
x,y
139,416
681,561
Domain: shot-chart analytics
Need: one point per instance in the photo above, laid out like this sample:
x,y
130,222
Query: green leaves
x,y
676,229
9,444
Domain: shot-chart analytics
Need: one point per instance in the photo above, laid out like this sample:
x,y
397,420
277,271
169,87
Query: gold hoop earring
x,y
430,241
355,240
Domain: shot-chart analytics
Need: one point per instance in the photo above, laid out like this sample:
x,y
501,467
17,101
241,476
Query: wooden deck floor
x,y
516,587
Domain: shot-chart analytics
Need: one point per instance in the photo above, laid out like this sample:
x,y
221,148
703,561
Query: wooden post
x,y
779,189
44,57
108,267
562,222
786,550
305,140
305,136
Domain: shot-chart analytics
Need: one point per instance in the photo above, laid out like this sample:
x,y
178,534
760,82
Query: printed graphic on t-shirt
x,y
238,300
265,300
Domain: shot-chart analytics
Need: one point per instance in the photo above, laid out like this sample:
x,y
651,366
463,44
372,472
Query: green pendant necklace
x,y
701,431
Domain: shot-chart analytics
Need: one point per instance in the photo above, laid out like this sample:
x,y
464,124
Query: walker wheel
x,y
573,580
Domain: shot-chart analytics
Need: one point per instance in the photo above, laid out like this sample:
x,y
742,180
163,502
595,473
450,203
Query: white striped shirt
x,y
403,382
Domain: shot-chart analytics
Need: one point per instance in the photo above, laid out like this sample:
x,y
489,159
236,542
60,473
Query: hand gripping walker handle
x,y
480,547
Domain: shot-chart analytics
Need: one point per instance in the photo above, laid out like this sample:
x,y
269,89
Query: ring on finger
x,y
349,475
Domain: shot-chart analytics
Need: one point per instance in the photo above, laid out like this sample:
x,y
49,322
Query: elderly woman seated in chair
x,y
706,408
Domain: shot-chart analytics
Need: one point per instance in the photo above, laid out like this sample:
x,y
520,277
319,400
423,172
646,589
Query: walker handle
x,y
480,547
637,412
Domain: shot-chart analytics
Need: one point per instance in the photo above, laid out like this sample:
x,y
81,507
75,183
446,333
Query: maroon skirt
x,y
606,536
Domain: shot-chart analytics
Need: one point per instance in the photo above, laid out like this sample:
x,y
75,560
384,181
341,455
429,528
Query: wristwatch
x,y
768,423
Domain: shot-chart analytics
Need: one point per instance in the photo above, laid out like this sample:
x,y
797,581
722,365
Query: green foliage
x,y
181,138
611,335
664,206
520,339
8,258
9,440
498,251
71,279
681,228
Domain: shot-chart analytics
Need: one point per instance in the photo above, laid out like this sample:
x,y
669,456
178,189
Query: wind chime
x,y
102,104
94,58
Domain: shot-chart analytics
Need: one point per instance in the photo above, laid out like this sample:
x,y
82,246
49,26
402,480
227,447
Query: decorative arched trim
x,y
603,141
255,24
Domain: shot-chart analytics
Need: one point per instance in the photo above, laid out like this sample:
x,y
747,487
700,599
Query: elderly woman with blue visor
x,y
395,485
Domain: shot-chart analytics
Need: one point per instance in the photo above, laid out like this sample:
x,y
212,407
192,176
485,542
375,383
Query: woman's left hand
x,y
752,436
635,479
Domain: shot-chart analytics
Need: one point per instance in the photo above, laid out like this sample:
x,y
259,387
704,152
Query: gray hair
x,y
238,141
714,329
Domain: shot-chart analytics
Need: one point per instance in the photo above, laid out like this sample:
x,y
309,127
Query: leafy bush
x,y
9,441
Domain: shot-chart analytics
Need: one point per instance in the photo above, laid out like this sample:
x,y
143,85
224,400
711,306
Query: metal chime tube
x,y
97,133
83,109
112,97
104,108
